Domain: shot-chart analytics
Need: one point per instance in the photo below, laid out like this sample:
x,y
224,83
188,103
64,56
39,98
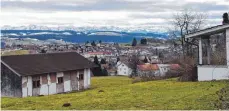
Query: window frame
x,y
36,83
61,80
81,76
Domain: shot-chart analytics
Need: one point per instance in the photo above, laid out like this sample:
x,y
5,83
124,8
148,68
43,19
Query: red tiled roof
x,y
148,67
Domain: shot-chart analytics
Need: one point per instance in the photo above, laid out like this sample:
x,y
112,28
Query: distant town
x,y
114,55
156,51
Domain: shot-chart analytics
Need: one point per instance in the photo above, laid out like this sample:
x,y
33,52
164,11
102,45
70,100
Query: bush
x,y
187,70
172,73
223,98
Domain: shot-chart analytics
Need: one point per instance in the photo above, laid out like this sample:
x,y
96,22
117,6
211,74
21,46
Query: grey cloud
x,y
112,5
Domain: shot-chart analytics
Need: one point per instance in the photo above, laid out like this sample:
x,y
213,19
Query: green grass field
x,y
120,93
16,52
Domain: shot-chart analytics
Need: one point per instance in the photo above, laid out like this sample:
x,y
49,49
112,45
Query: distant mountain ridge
x,y
80,35
145,29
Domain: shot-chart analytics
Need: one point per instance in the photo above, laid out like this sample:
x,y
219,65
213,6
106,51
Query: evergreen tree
x,y
93,43
156,51
134,42
143,41
225,18
145,60
118,59
43,51
103,61
96,61
97,71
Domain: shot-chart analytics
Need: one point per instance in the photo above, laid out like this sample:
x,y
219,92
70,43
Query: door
x,y
67,81
81,79
60,84
36,85
74,80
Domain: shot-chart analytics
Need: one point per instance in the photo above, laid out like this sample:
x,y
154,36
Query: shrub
x,y
172,73
187,70
223,98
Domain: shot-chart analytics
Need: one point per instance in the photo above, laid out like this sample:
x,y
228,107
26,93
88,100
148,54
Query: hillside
x,y
119,93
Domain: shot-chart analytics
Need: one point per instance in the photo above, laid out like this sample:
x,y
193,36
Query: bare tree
x,y
186,22
134,61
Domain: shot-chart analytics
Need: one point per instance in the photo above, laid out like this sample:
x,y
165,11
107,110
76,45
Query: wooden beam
x,y
200,51
208,51
208,31
227,45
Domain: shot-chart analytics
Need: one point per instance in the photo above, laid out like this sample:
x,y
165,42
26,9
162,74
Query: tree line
x,y
99,71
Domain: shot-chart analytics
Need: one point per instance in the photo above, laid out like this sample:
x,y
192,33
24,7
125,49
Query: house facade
x,y
156,69
148,70
44,74
123,68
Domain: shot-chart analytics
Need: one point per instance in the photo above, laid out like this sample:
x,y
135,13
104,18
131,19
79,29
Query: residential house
x,y
124,68
44,74
155,69
164,68
148,70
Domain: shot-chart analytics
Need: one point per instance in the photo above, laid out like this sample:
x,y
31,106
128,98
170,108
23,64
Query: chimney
x,y
225,19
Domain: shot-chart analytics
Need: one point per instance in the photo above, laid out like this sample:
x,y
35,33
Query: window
x,y
60,80
81,77
36,83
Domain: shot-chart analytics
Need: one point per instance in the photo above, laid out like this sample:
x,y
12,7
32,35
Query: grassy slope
x,y
119,93
16,52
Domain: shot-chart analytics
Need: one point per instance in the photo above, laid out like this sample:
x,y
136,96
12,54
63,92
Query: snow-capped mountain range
x,y
145,29
83,34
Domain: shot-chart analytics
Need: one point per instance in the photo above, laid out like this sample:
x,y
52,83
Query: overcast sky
x,y
119,13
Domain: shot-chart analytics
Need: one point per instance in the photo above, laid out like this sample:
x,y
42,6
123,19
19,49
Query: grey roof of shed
x,y
208,31
34,64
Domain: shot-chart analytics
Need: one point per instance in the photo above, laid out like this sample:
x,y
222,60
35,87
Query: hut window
x,y
36,83
60,80
81,77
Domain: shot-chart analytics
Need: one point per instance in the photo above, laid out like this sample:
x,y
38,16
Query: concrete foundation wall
x,y
207,73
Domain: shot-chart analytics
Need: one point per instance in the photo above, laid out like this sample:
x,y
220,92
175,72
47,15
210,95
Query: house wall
x,y
10,83
87,81
148,73
163,69
208,72
49,83
123,69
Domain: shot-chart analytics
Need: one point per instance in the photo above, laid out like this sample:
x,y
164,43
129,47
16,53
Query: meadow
x,y
110,93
